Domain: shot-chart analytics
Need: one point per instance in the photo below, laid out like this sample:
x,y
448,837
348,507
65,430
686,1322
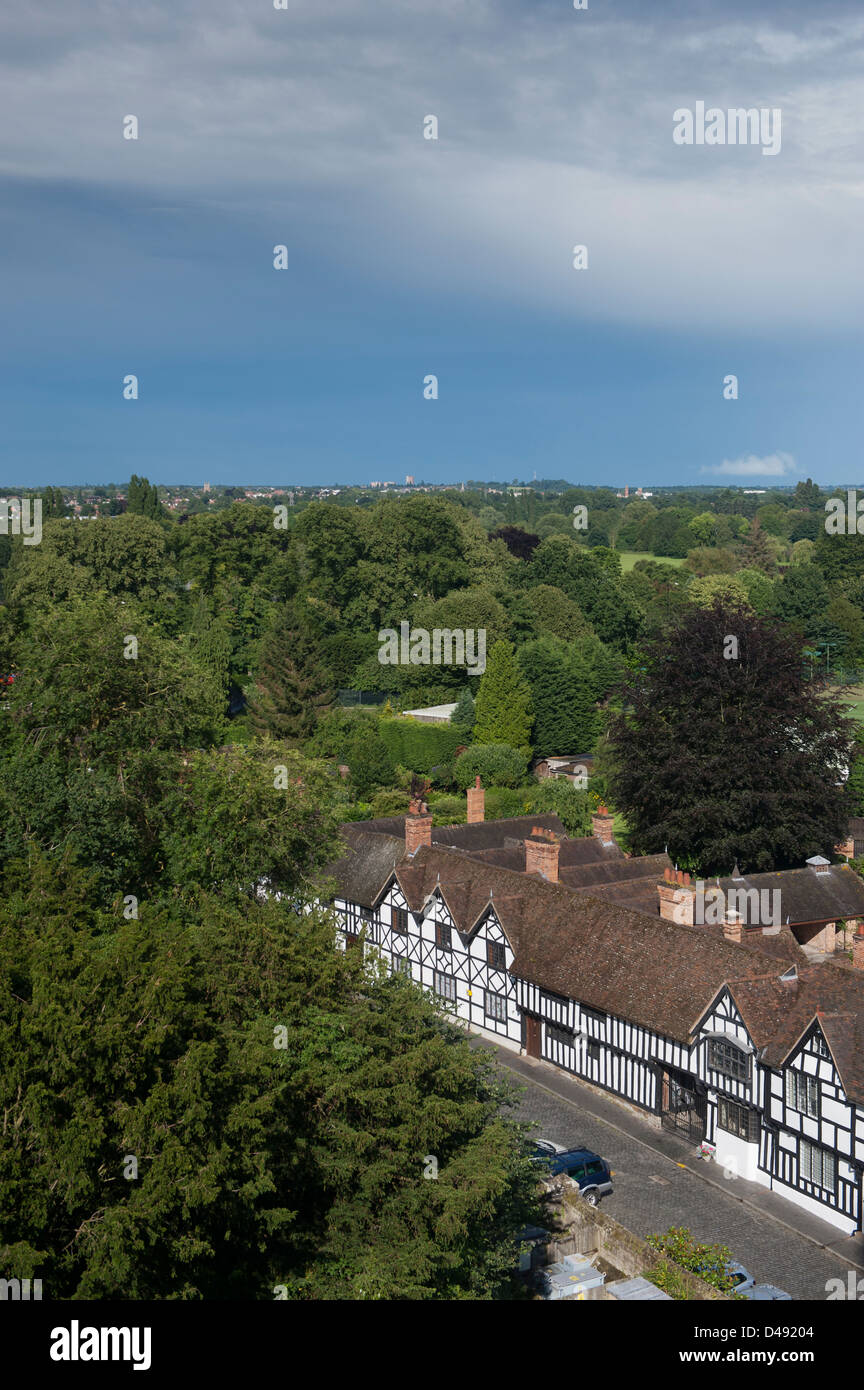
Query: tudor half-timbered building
x,y
731,1037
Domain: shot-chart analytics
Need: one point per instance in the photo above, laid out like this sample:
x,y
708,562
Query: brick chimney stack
x,y
476,803
418,826
858,950
677,897
732,926
541,854
601,825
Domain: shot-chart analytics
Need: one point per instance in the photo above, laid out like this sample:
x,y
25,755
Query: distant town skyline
x,y
415,251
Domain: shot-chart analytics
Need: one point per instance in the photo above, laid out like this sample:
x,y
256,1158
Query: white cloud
x,y
771,466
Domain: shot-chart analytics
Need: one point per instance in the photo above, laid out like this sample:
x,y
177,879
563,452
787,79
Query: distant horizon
x,y
472,485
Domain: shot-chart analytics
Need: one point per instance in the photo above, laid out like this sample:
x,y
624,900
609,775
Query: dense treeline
x,y
202,1097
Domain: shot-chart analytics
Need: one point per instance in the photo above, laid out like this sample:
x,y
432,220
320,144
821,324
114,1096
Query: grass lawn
x,y
629,558
851,699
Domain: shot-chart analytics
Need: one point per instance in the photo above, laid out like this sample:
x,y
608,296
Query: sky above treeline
x,y
408,257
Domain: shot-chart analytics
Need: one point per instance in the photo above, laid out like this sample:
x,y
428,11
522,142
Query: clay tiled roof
x,y
364,871
808,896
653,972
481,835
777,1014
604,943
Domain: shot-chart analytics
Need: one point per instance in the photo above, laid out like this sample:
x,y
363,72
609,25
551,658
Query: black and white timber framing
x,y
777,1114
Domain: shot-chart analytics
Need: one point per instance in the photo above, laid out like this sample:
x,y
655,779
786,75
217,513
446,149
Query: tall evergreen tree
x,y
757,551
463,715
292,686
503,706
143,497
233,1105
565,719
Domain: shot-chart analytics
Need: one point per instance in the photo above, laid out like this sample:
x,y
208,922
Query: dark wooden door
x,y
532,1036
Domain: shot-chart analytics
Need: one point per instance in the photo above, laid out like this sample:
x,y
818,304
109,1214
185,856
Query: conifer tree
x,y
293,686
565,719
503,706
463,715
757,550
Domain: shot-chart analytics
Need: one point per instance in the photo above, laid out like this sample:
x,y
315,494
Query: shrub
x,y
571,805
441,775
389,802
707,1261
448,810
504,802
496,764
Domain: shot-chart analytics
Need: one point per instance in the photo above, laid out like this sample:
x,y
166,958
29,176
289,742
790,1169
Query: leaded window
x,y
495,1006
445,985
724,1055
802,1093
496,956
738,1119
556,1032
817,1165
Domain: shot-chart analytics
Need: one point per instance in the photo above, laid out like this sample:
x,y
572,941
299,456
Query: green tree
x,y
705,592
463,715
97,719
801,598
808,494
143,498
803,552
369,761
292,687
759,590
724,752
591,579
278,1099
53,503
503,705
565,718
496,764
554,613
757,551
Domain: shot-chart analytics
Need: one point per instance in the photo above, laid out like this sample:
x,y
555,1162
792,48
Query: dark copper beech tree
x,y
720,748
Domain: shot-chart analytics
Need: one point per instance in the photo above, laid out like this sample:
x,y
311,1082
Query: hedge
x,y
420,747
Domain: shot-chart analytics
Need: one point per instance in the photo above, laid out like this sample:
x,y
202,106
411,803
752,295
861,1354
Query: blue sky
x,y
304,127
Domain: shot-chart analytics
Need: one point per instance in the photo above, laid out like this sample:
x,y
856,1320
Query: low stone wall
x,y
579,1229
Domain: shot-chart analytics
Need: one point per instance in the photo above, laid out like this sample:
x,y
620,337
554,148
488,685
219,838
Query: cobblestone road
x,y
652,1192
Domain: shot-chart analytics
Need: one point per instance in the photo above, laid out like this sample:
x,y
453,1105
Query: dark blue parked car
x,y
586,1168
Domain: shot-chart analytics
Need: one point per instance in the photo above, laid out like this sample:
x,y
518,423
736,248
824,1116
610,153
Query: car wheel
x,y
593,1198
